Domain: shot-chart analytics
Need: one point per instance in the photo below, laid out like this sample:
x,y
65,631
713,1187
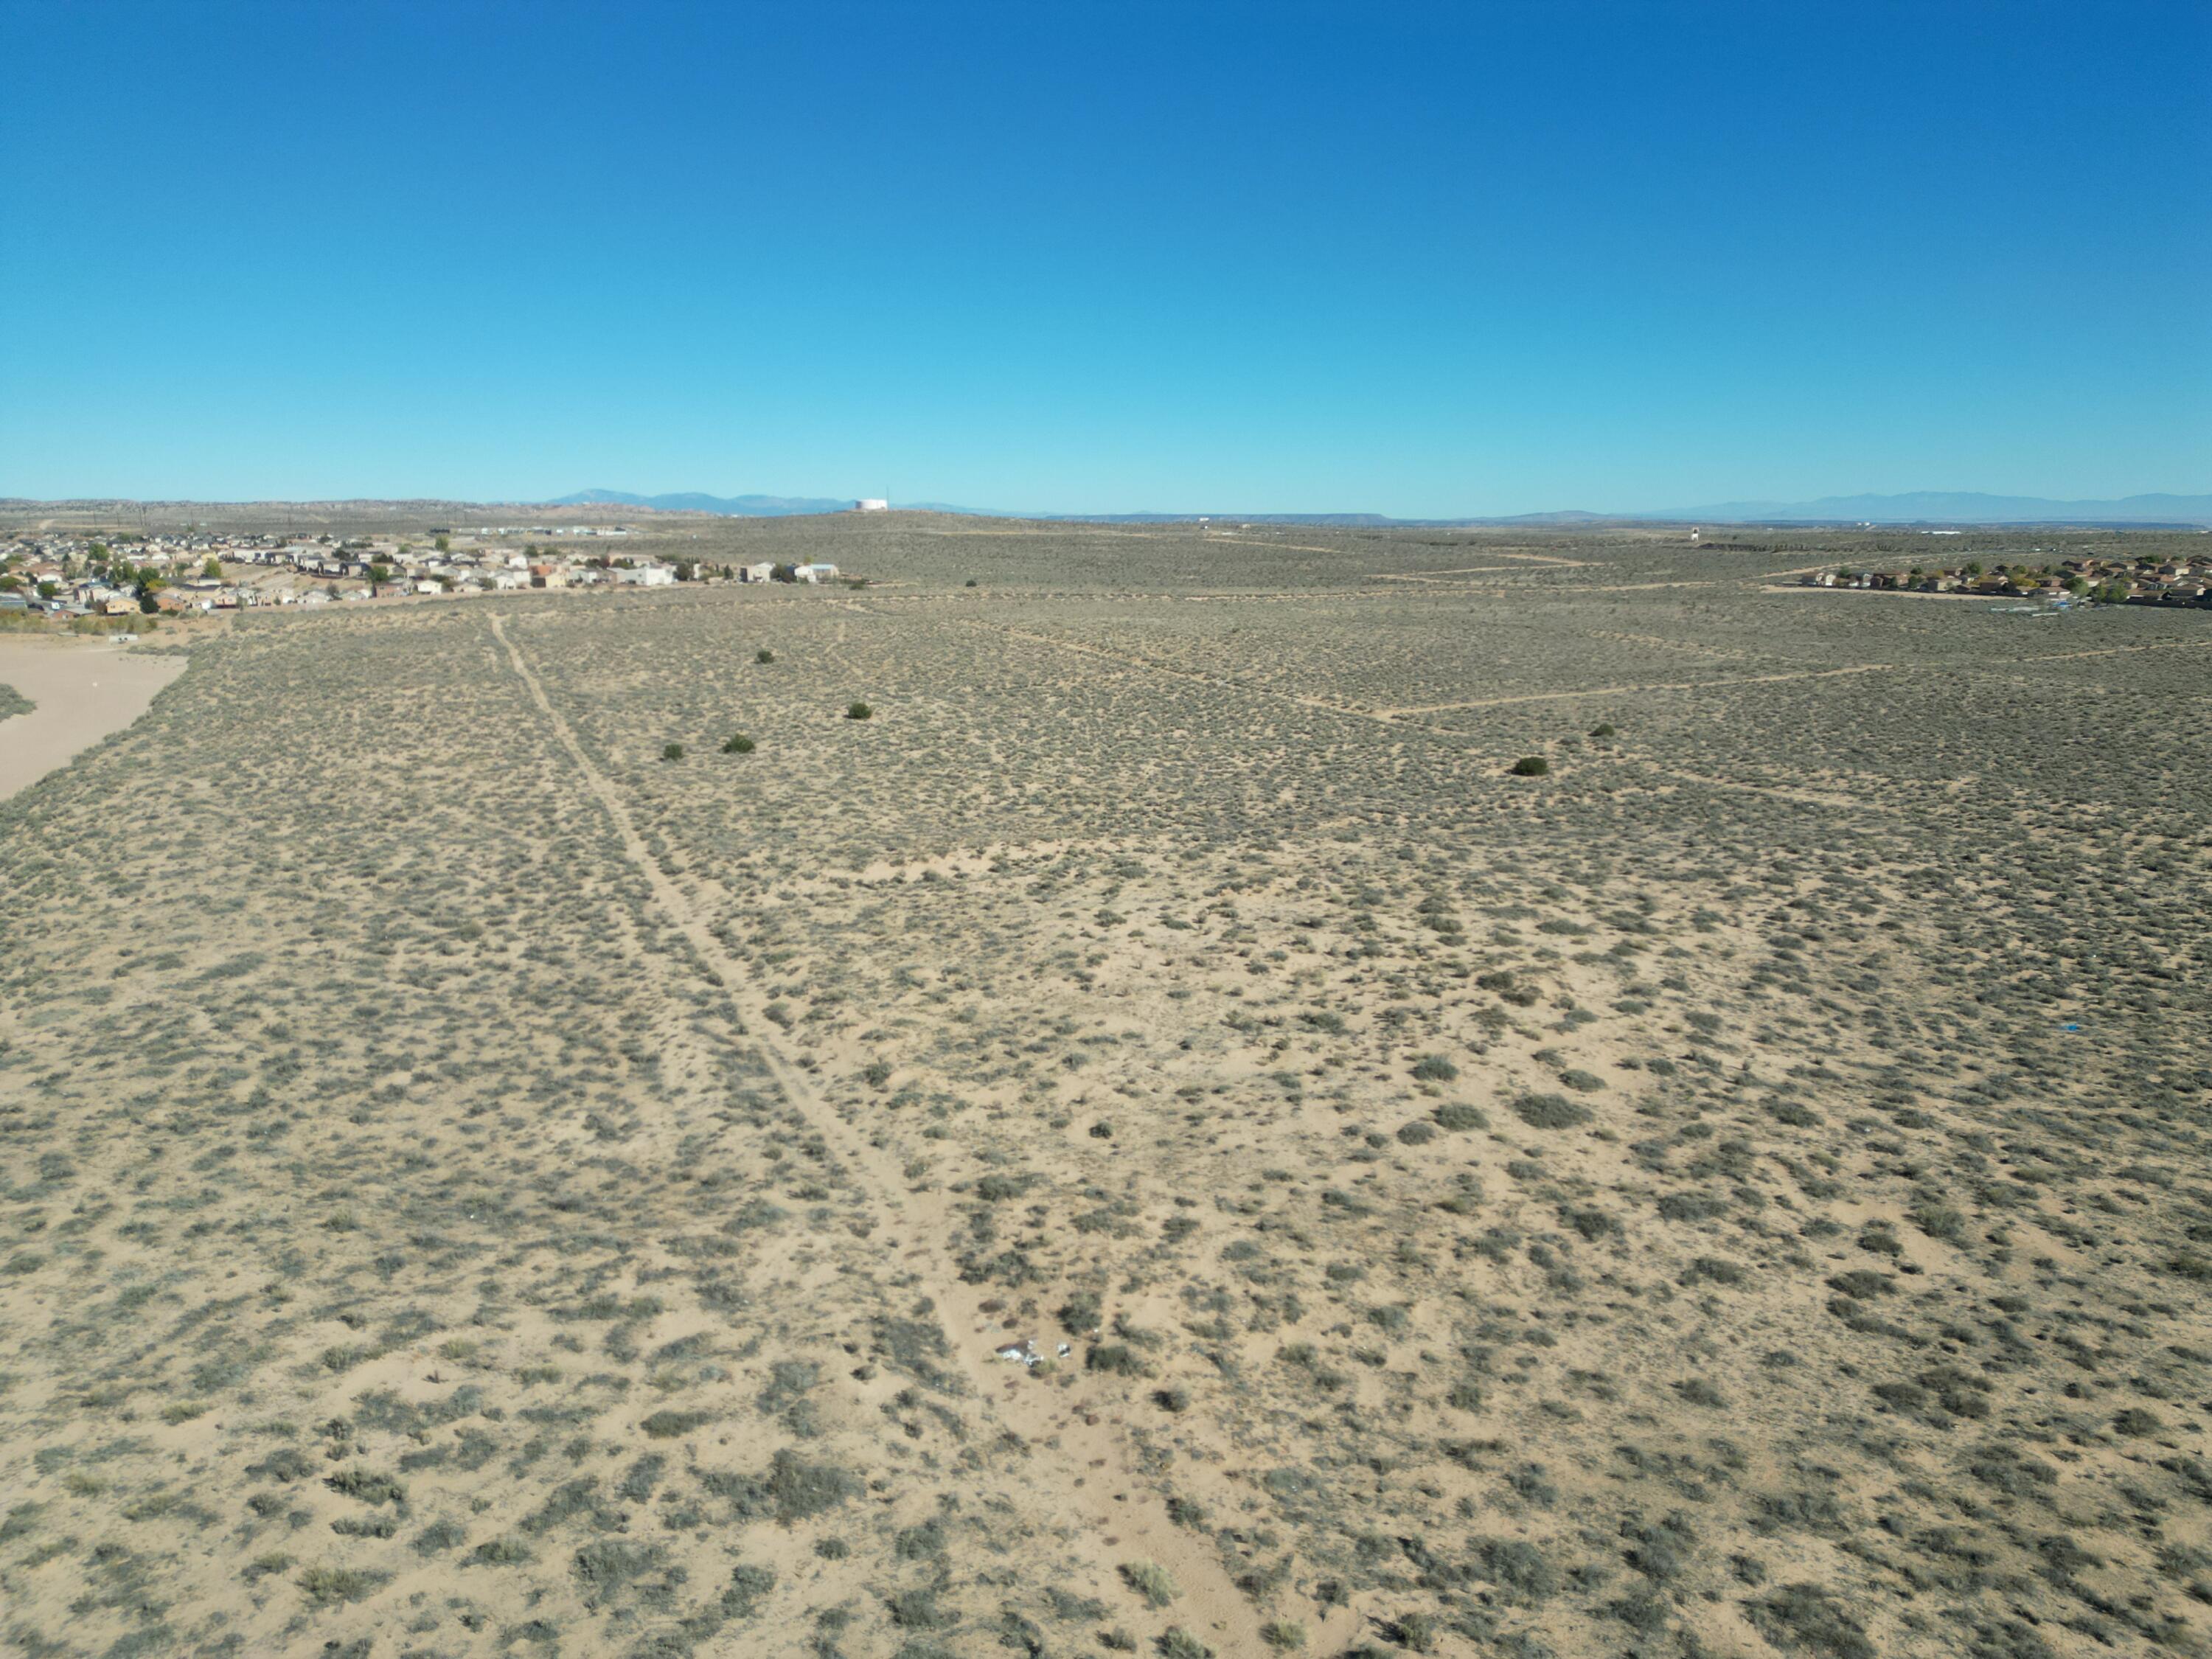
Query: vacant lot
x,y
67,694
493,1165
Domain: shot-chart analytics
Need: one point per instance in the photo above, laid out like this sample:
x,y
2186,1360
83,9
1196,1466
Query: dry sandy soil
x,y
477,1184
77,693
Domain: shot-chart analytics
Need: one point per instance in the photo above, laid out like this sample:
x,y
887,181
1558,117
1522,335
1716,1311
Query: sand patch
x,y
82,692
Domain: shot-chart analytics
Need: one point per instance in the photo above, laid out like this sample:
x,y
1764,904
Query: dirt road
x,y
83,691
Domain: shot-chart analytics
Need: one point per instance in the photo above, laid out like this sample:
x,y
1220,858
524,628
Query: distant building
x,y
871,504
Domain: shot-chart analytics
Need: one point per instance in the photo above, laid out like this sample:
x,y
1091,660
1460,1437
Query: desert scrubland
x,y
479,1181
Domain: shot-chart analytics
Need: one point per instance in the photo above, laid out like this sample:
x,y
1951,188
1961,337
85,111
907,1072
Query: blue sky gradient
x,y
1421,259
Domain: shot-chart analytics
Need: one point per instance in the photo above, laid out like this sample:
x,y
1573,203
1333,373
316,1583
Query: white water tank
x,y
872,505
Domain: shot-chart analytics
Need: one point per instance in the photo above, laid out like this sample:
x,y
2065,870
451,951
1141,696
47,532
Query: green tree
x,y
212,568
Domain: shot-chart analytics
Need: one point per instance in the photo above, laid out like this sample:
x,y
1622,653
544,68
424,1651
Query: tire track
x,y
1074,1453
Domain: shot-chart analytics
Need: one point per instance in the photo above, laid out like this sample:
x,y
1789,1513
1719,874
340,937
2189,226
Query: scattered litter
x,y
1065,1351
2070,1027
1023,1352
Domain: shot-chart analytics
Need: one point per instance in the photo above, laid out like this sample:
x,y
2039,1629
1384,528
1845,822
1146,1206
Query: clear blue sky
x,y
1421,259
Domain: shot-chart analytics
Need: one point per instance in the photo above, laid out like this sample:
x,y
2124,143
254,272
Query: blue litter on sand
x,y
2069,1028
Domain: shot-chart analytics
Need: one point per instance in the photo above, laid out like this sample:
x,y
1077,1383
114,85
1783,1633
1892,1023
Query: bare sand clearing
x,y
83,691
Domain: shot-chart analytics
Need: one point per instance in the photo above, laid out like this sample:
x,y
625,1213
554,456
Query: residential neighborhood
x,y
74,577
2146,580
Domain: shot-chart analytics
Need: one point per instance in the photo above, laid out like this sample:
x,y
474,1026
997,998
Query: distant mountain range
x,y
1954,506
738,506
1920,507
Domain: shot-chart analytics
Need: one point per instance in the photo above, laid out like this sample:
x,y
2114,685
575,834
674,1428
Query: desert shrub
x,y
672,751
668,1424
859,711
1593,1224
325,1585
1150,1580
1550,1112
1719,1270
1416,1632
368,1487
1085,1610
1419,1133
1939,1220
739,745
1176,1642
1519,1567
1435,1068
1531,766
1583,1082
610,1563
1604,729
1804,1618
915,1609
1116,1358
791,1489
1698,1392
763,655
1457,1114
1286,1634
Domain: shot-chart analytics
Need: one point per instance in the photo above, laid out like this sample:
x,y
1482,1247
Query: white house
x,y
872,504
755,573
647,575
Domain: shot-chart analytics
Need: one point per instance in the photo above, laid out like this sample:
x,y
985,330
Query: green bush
x,y
859,711
1603,731
1150,1581
672,751
1435,1068
1531,766
1550,1112
740,744
763,655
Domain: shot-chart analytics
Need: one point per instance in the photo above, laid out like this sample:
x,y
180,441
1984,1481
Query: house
x,y
755,573
822,572
506,581
549,575
647,575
